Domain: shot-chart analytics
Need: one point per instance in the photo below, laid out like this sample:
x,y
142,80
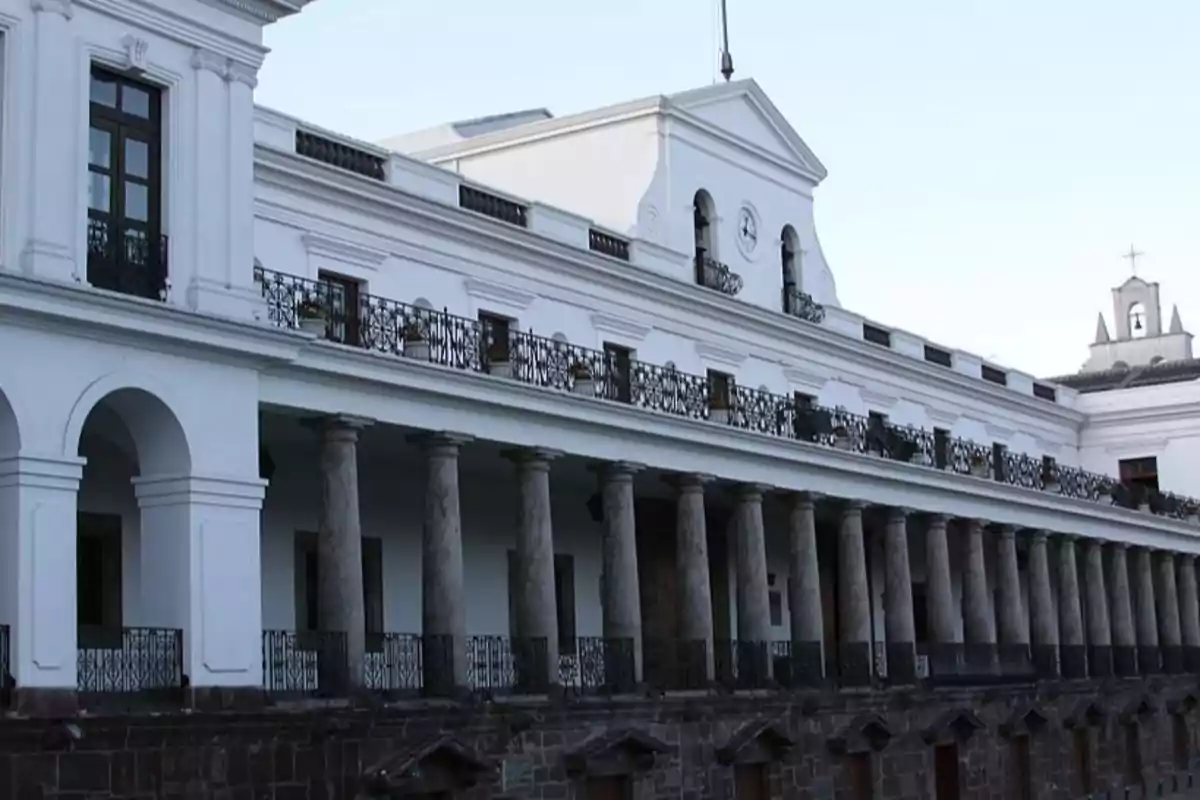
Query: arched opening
x,y
704,226
132,547
789,254
1137,321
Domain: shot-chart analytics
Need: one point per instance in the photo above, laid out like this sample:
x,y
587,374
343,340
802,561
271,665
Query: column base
x,y
979,658
945,659
1191,659
1172,659
1045,660
1100,663
854,664
1148,660
45,702
676,664
225,698
901,663
1015,660
806,665
1074,661
1125,661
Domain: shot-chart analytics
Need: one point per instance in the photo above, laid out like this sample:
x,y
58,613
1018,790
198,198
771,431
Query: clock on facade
x,y
747,231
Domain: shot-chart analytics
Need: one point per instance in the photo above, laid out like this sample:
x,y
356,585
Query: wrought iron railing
x,y
712,274
340,155
442,338
598,666
305,663
801,305
493,205
126,259
608,244
124,663
500,664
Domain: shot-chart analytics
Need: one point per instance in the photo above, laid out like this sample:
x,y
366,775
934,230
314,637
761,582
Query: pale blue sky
x,y
988,161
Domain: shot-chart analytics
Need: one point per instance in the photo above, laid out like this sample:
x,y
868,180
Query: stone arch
x,y
704,224
10,431
789,257
157,435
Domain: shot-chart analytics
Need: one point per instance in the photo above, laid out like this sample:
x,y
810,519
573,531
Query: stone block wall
x,y
817,746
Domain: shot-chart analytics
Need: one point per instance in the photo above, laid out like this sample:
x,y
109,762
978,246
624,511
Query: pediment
x,y
957,725
1088,714
865,733
742,111
1183,704
439,765
620,752
756,742
1028,720
1138,708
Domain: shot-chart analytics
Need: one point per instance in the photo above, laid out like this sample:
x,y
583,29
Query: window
x,y
703,215
1181,742
936,355
564,601
98,580
1044,392
126,249
1133,754
1021,773
1082,747
860,777
877,335
941,448
789,249
619,363
308,586
613,787
497,338
750,782
993,375
720,391
1139,472
774,601
945,772
999,461
342,303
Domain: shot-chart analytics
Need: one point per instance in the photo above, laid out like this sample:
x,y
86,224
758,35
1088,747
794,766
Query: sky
x,y
989,162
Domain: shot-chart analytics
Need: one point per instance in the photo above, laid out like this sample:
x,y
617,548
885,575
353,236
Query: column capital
x,y
208,61
244,74
894,512
441,442
1006,533
853,507
60,7
974,524
1040,537
615,470
336,426
534,457
688,481
1066,538
1187,558
802,499
751,491
1119,546
937,518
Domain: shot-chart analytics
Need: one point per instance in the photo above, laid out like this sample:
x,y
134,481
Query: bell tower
x,y
1140,339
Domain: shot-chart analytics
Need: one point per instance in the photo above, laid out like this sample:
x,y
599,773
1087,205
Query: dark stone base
x,y
1148,660
1074,661
1100,663
1125,661
532,749
1191,659
215,698
1172,660
901,663
45,702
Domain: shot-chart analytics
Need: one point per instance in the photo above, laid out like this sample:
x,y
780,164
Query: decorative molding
x,y
998,431
208,61
876,398
804,379
498,293
316,244
135,52
1138,449
1047,446
626,328
61,7
942,415
242,73
721,355
266,10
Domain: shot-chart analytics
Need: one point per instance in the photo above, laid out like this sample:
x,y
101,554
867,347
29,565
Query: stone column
x,y
695,587
945,648
1099,631
537,612
1014,645
854,599
443,606
49,249
1147,620
621,602
1189,611
898,600
1043,624
1123,632
753,605
1170,640
38,517
340,602
1070,612
979,623
808,624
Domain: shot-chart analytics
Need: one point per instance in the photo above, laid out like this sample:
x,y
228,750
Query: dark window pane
x,y
100,148
137,158
135,101
104,92
98,194
137,201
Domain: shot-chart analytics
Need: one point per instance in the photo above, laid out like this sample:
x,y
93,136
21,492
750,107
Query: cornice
x,y
498,293
318,244
941,415
812,382
620,326
998,431
265,11
294,174
716,354
61,7
170,24
876,398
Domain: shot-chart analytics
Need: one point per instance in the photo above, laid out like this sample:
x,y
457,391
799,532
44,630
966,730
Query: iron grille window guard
x,y
493,205
128,259
712,274
609,245
123,664
442,338
801,305
340,155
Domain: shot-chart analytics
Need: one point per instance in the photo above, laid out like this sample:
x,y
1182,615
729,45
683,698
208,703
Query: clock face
x,y
747,232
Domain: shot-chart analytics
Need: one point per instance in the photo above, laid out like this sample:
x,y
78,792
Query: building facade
x,y
501,424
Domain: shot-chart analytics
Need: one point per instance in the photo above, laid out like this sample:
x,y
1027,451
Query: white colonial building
x,y
564,400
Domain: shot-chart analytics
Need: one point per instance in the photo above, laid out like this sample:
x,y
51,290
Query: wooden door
x,y
614,787
945,771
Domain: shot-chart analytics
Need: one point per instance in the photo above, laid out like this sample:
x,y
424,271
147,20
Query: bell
x,y
1137,322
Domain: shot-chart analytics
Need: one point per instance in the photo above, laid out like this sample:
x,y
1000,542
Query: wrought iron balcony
x,y
801,305
712,274
129,260
118,666
439,337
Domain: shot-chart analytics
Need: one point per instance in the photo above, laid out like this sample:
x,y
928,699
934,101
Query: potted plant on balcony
x,y
841,437
584,382
415,344
979,465
312,316
498,362
718,408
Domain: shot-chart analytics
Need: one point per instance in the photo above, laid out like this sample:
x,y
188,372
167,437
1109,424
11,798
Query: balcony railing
x,y
801,305
608,244
712,274
125,665
439,337
305,663
6,677
129,260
